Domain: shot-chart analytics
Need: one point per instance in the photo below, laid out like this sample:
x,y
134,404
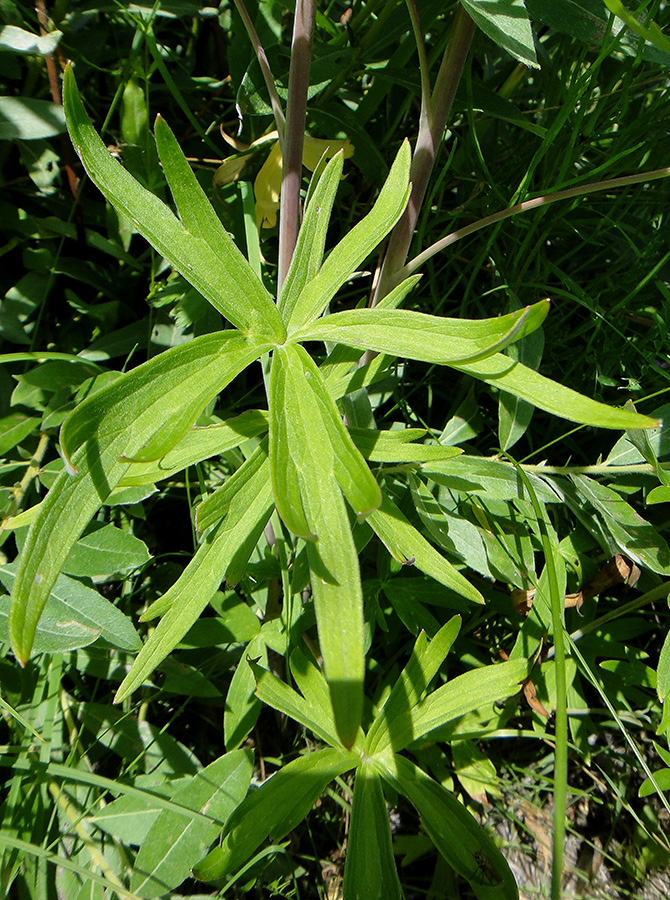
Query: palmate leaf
x,y
202,252
120,419
415,335
358,243
229,546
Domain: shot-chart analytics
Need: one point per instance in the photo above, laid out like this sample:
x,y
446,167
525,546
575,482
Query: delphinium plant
x,y
317,481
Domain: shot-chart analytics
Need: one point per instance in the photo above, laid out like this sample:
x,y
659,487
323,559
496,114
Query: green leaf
x,y
370,871
118,419
505,22
338,602
26,119
287,445
631,534
280,696
350,469
309,452
407,545
493,478
175,840
198,444
106,551
345,258
415,335
515,378
217,505
223,278
514,414
188,376
308,253
273,810
226,550
459,838
18,40
470,691
394,446
74,616
423,665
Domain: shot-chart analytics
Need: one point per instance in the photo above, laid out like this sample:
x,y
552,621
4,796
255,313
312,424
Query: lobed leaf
x,y
276,808
426,659
345,258
459,838
415,335
221,275
407,545
370,872
308,253
505,373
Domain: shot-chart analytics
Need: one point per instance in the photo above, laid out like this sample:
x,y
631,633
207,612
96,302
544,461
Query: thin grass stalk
x,y
294,136
561,715
526,206
268,77
434,115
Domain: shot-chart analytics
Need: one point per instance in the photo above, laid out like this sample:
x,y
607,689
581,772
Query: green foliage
x,y
340,465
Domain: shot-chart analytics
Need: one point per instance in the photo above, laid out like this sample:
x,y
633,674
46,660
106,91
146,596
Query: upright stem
x,y
296,110
433,123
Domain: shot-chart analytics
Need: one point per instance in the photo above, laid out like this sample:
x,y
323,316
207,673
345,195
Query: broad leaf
x,y
345,258
223,276
506,22
273,810
415,335
104,552
74,616
370,870
175,840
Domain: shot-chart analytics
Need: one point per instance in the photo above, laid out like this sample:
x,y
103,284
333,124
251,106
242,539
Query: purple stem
x,y
294,135
431,129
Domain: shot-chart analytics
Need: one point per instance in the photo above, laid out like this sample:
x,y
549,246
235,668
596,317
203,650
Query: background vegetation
x,y
87,783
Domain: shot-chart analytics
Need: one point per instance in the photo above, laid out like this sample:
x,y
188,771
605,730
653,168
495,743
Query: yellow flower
x,y
268,181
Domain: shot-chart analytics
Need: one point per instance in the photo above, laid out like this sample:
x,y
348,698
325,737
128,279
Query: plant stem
x,y
434,114
268,77
296,111
527,205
